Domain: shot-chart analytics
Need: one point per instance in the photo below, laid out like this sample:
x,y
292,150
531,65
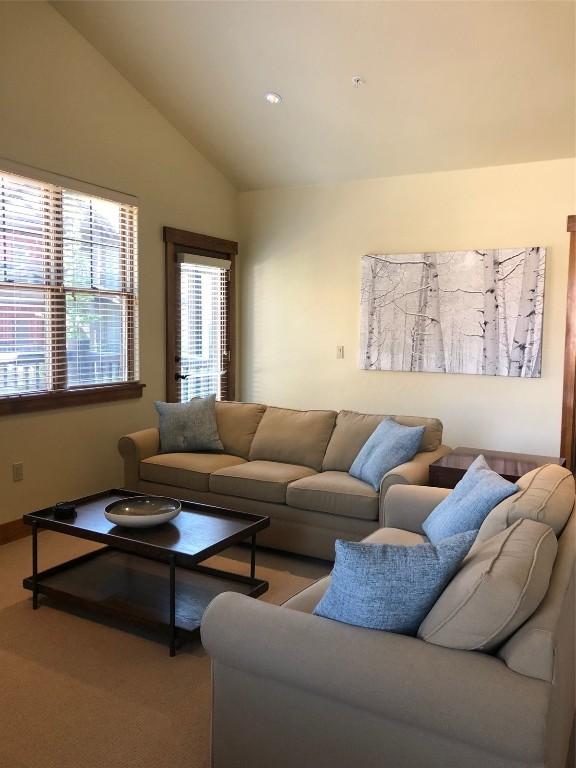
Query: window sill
x,y
65,398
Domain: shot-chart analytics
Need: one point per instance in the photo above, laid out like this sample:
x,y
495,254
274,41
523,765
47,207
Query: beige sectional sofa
x,y
292,689
290,465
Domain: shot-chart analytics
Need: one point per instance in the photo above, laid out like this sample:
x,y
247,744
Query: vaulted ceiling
x,y
447,84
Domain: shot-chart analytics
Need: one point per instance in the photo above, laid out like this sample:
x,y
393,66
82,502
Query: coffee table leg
x,y
34,565
172,605
253,558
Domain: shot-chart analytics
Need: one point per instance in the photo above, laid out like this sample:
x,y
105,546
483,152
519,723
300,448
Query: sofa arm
x,y
407,506
461,695
133,449
415,472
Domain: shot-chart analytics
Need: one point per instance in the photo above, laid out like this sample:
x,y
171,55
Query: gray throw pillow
x,y
388,586
189,426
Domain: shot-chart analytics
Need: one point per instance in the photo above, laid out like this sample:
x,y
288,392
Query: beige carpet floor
x,y
78,693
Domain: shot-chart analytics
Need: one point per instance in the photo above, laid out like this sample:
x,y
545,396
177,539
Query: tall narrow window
x,y
200,329
68,295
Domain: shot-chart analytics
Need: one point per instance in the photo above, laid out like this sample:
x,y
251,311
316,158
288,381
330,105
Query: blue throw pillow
x,y
189,426
390,445
390,587
466,508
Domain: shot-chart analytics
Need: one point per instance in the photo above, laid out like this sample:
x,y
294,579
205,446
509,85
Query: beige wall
x,y
301,252
65,109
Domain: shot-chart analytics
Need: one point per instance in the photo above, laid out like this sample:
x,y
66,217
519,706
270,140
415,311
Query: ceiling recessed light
x,y
273,98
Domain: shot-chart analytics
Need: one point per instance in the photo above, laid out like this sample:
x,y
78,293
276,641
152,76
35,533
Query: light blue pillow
x,y
473,498
390,587
390,445
189,426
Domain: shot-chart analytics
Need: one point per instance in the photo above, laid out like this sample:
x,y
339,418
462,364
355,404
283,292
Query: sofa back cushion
x,y
543,646
546,494
293,437
498,588
237,425
353,430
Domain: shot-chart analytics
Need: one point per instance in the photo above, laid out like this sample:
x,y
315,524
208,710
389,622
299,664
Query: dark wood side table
x,y
447,471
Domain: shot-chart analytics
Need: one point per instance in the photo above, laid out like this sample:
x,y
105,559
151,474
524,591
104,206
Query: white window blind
x,y
202,333
68,288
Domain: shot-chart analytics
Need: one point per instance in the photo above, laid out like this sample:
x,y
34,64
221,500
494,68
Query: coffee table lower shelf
x,y
122,585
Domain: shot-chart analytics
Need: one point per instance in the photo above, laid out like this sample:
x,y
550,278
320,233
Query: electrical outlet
x,y
18,471
340,353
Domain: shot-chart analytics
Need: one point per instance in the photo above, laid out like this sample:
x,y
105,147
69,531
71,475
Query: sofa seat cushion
x,y
397,536
336,493
260,480
186,470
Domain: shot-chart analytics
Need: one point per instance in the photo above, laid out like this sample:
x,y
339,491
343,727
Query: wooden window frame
x,y
206,245
568,433
61,396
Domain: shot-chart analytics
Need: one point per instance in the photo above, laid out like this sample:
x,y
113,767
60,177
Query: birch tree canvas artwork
x,y
454,312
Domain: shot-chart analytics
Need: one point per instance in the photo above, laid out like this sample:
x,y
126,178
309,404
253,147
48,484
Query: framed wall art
x,y
476,312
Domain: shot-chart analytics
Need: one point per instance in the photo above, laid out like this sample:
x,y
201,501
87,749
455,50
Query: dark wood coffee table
x,y
450,469
128,577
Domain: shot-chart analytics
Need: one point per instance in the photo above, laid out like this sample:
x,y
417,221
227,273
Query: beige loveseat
x,y
290,465
294,690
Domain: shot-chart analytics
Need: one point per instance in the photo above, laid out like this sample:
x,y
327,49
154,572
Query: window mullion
x,y
3,236
126,231
57,294
225,320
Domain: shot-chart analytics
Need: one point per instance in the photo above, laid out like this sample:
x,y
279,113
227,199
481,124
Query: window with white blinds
x,y
202,328
68,289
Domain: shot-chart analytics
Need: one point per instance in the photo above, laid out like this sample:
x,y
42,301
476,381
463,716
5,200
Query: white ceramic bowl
x,y
142,511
